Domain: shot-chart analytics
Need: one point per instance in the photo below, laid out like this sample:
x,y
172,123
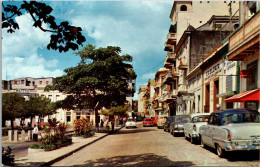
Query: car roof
x,y
197,114
234,111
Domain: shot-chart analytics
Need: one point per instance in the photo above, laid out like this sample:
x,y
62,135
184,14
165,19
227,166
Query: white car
x,y
130,123
191,129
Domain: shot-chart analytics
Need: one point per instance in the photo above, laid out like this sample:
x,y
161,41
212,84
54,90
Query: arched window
x,y
183,8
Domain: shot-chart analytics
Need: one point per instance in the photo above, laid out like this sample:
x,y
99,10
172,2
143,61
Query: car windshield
x,y
200,118
240,118
129,120
182,119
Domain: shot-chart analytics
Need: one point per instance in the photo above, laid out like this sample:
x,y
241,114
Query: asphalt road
x,y
150,146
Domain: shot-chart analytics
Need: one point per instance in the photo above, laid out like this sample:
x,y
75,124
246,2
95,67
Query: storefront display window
x,y
253,105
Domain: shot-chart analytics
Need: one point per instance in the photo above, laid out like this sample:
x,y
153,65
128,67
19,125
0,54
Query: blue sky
x,y
138,27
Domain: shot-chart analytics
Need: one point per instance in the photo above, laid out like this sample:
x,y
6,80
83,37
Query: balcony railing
x,y
175,73
182,88
171,38
171,57
246,33
182,65
168,47
168,78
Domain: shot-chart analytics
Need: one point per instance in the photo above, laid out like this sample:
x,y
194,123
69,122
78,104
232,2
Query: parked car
x,y
130,123
232,130
166,125
176,126
147,122
191,129
161,120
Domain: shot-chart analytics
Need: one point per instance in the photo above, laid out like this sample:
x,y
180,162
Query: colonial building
x,y
142,100
244,48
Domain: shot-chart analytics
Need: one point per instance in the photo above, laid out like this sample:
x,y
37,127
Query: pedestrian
x,y
35,133
102,123
113,124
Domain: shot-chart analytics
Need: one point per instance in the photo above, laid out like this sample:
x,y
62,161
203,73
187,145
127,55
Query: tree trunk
x,y
12,124
31,122
3,122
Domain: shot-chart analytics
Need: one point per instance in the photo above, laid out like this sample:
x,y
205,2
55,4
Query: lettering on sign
x,y
212,72
230,65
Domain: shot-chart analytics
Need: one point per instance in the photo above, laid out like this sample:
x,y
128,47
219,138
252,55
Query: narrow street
x,y
149,146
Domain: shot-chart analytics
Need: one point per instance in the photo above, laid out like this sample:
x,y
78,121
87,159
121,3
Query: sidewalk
x,y
49,157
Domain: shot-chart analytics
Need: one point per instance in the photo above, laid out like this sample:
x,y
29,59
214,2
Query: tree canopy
x,y
99,80
63,36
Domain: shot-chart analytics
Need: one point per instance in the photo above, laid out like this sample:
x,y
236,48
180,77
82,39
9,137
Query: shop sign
x,y
212,71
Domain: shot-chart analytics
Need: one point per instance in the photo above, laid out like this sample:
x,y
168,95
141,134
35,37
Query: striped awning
x,y
251,95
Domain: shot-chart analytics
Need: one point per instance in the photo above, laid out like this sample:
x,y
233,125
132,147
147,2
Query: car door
x,y
205,131
214,129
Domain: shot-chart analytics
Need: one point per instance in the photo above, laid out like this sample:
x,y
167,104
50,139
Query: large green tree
x,y
13,106
63,35
39,106
99,80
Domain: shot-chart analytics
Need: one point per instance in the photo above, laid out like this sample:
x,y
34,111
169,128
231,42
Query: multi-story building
x,y
244,47
159,104
192,35
141,100
28,87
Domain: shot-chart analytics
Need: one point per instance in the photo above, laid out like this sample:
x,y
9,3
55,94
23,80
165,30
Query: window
x,y
68,115
200,1
40,82
57,97
215,119
200,21
252,80
88,115
47,82
78,114
22,82
229,105
208,1
253,105
15,82
183,8
211,120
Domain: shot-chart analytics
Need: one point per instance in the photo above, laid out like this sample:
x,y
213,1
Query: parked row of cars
x,y
226,130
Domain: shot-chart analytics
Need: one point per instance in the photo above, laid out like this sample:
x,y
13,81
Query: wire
x,y
152,68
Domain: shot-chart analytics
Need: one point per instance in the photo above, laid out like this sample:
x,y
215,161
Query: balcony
x,y
175,73
168,47
182,89
182,65
167,64
171,38
245,40
171,57
168,78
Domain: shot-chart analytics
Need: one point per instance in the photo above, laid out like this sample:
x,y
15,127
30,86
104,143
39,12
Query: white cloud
x,y
135,31
148,76
26,67
20,57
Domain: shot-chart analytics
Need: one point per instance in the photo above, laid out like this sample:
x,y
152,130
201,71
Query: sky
x,y
138,27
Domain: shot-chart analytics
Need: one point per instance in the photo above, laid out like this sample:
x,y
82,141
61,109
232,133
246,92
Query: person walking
x,y
113,124
35,133
102,123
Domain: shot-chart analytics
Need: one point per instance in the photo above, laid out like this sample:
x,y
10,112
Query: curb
x,y
77,149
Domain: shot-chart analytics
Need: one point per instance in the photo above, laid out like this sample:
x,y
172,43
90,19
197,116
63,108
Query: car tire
x,y
220,151
202,142
192,140
186,138
164,129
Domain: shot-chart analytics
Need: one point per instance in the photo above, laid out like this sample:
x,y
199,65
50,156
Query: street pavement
x,y
149,146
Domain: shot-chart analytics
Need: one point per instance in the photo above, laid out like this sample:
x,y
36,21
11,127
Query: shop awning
x,y
251,95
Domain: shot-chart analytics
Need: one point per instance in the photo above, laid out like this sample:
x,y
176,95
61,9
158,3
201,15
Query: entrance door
x,y
216,91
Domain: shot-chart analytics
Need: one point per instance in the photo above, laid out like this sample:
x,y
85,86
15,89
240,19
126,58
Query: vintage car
x,y
130,123
176,126
232,130
147,122
161,120
191,129
166,126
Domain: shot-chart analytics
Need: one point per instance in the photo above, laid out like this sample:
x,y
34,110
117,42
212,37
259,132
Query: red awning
x,y
251,95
